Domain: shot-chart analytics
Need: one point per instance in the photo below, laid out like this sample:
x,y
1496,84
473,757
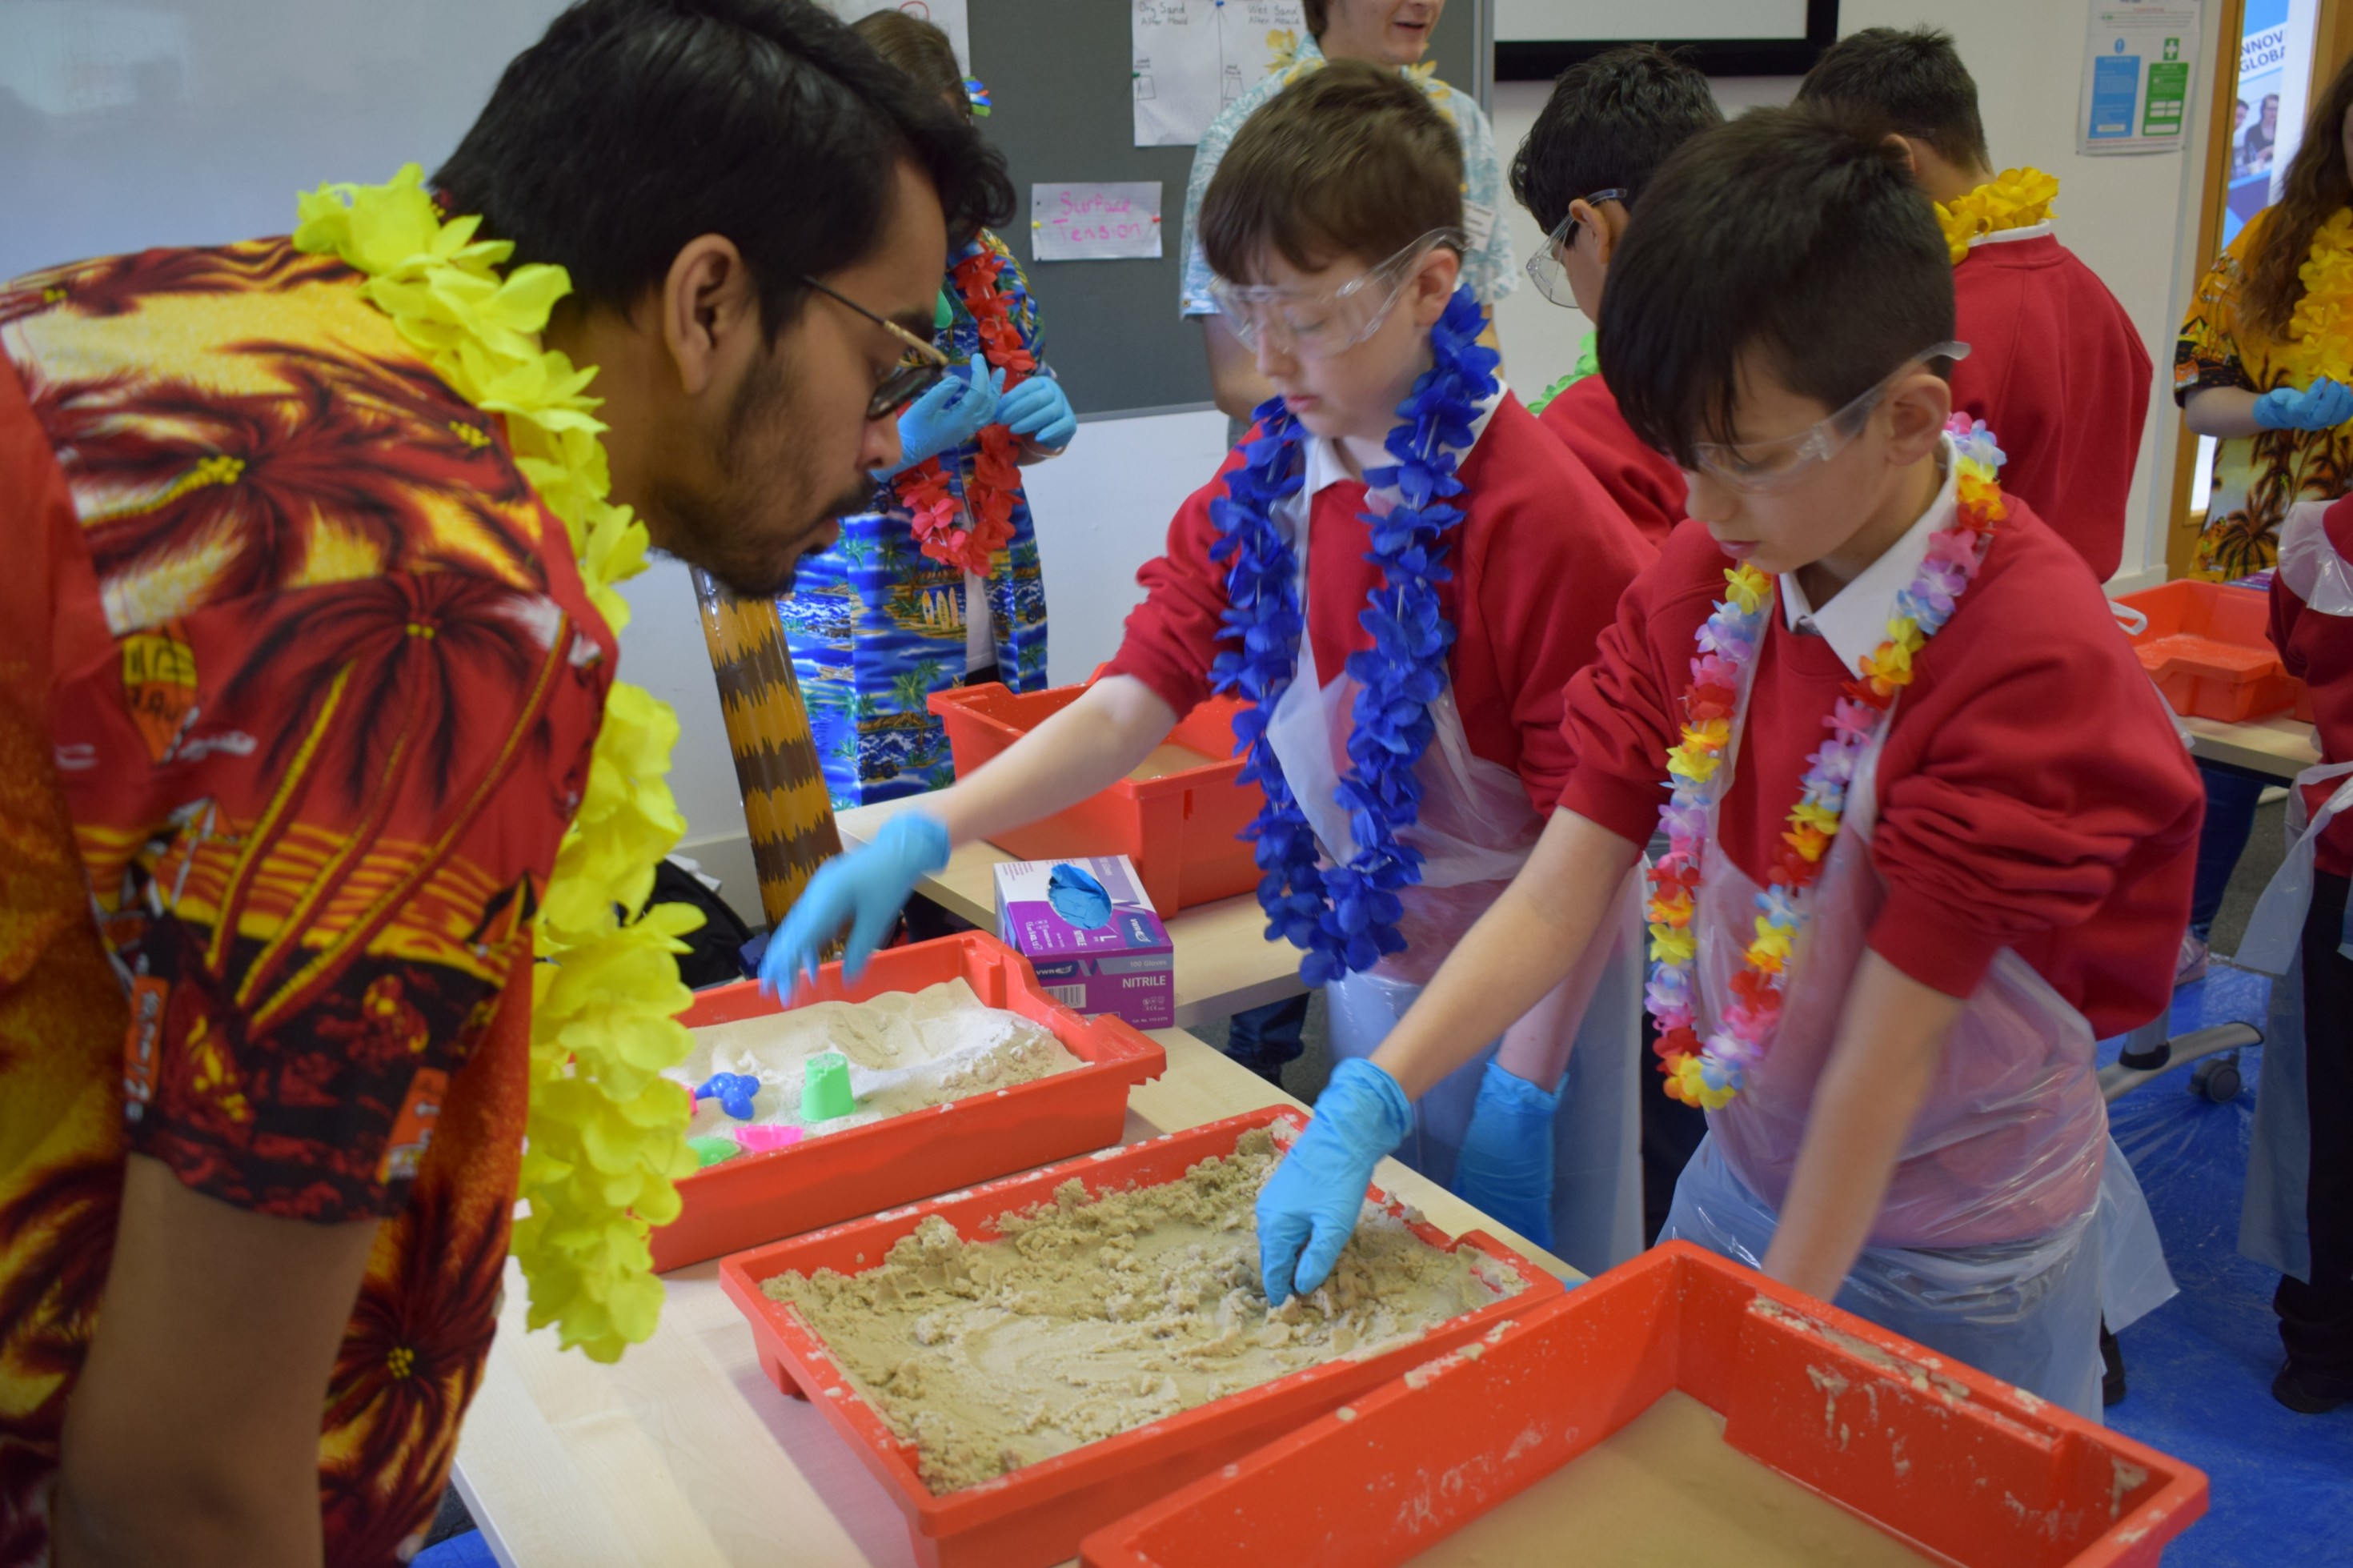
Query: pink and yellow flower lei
x,y
1708,1074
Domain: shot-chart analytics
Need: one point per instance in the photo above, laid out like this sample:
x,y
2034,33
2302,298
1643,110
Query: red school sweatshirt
x,y
1645,482
1527,600
2318,649
2058,372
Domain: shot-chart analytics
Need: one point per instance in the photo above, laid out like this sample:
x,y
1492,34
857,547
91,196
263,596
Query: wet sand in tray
x,y
1093,1317
1169,757
1665,1490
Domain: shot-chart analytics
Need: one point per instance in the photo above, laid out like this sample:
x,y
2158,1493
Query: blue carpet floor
x,y
2200,1368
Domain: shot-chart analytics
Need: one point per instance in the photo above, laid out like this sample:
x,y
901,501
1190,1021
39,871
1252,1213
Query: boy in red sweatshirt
x,y
1406,677
1930,830
1608,124
2055,365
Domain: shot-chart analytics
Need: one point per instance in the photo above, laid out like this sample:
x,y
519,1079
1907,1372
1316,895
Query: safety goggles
x,y
1544,268
1315,324
1752,466
918,370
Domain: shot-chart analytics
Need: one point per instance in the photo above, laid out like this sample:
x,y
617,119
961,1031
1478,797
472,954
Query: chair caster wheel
x,y
2217,1078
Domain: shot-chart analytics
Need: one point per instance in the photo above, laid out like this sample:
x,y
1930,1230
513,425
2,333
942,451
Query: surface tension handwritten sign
x,y
1095,222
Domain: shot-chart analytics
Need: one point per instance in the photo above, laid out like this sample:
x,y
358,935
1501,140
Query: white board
x,y
1195,56
1548,21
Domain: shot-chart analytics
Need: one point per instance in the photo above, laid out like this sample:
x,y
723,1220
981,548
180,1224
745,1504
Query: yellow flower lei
x,y
2320,333
607,1131
2015,198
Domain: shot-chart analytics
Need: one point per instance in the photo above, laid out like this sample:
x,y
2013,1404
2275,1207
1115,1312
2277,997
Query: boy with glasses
x,y
1608,125
1929,831
1399,569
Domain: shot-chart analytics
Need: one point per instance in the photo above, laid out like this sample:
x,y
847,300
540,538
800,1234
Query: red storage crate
x,y
1955,1461
755,1198
1182,831
2208,647
1036,1516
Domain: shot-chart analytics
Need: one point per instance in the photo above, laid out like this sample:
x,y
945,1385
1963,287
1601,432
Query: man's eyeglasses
x,y
1544,269
1756,466
918,370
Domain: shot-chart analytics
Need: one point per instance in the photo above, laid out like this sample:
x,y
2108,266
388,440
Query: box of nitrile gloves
x,y
1087,927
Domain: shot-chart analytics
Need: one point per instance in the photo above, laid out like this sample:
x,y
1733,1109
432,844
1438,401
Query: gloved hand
x,y
1506,1164
1040,409
1308,1208
2323,405
950,414
865,889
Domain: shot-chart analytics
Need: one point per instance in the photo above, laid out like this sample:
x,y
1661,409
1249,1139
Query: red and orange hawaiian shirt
x,y
298,684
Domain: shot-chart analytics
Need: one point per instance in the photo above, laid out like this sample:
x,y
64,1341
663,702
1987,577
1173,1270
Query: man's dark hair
x,y
1913,83
1319,16
919,48
1609,124
1350,160
1799,236
633,126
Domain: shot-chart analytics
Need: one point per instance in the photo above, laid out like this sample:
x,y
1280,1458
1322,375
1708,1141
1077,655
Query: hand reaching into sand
x,y
1308,1208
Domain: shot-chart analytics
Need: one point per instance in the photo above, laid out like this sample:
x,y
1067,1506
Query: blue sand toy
x,y
734,1091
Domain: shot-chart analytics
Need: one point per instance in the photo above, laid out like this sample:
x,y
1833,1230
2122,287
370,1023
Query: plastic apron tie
x,y
1475,830
1985,1246
2274,1216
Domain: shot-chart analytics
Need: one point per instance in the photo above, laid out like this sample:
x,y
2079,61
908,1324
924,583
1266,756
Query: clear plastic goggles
x,y
1321,325
1544,268
1750,466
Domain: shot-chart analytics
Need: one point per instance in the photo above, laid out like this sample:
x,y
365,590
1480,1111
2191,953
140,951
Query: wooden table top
x,y
683,1454
1224,962
2281,745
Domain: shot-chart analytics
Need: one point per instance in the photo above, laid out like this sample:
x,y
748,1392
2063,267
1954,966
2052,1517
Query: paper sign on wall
x,y
1195,56
2139,57
950,16
1095,221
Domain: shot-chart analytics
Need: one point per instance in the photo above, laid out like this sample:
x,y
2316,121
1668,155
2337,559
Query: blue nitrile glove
x,y
1040,409
1506,1164
864,889
1077,898
953,412
1308,1208
2323,405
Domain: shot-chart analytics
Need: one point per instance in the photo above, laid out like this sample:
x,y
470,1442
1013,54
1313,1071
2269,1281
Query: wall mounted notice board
x,y
1058,74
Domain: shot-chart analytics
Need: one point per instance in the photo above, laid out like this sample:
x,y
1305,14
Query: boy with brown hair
x,y
1398,569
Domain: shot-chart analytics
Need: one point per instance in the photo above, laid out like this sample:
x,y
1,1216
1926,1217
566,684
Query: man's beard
x,y
714,529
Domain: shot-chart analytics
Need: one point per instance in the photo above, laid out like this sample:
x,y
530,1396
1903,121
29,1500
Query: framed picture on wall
x,y
1535,40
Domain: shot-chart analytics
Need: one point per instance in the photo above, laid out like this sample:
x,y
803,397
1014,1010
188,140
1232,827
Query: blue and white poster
x,y
2267,120
2139,65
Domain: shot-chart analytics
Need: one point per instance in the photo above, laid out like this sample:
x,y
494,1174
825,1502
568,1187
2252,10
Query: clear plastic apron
x,y
1985,1247
2273,1229
1476,829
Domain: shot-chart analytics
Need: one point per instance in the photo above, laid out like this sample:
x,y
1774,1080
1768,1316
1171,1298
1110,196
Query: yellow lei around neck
x,y
2320,341
2015,198
605,1134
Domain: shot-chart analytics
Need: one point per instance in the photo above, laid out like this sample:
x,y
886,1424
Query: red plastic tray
x,y
755,1198
2208,648
1037,1515
1182,831
1957,1461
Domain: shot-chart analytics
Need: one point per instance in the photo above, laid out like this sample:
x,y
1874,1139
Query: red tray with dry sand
x,y
755,1198
1181,831
2208,647
1951,1460
1037,1515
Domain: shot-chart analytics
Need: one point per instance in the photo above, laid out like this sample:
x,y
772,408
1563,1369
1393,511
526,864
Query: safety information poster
x,y
1195,56
2139,60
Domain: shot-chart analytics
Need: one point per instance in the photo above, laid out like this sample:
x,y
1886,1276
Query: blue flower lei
x,y
1345,918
